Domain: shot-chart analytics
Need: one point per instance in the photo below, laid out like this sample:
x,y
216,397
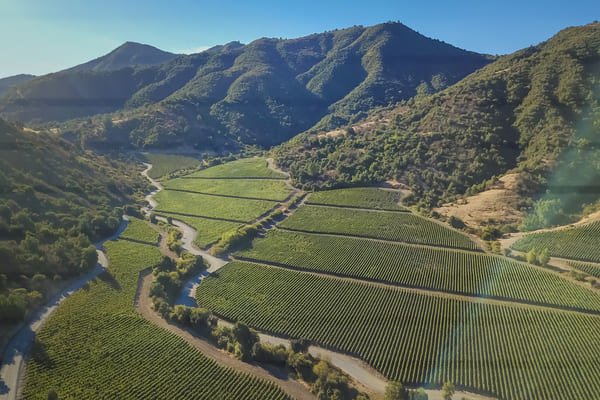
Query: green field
x,y
209,230
404,227
96,346
242,168
590,269
376,198
138,229
164,164
509,351
257,188
194,204
578,243
455,271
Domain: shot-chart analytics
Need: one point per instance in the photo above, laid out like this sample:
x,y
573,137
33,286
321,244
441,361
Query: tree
x,y
532,256
395,391
544,257
448,390
420,395
456,222
89,257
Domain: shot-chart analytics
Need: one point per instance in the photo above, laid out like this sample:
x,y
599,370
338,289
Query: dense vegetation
x,y
6,84
55,199
577,243
375,198
462,272
396,226
536,110
513,352
96,337
260,93
164,164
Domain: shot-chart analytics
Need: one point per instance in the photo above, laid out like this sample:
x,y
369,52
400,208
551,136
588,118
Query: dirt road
x,y
12,371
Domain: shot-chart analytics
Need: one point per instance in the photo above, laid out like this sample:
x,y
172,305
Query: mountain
x,y
10,82
534,112
129,54
260,93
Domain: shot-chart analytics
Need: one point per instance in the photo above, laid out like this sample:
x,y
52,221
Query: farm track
x,y
365,376
277,375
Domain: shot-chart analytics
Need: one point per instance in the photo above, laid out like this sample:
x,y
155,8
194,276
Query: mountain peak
x,y
129,54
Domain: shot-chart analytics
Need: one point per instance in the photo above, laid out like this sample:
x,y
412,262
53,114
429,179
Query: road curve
x,y
12,371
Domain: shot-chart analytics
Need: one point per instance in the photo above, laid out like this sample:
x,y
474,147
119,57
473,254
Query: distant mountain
x,y
261,93
10,82
535,112
129,54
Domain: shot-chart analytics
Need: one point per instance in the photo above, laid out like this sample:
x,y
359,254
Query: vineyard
x,y
193,204
590,269
375,198
577,243
514,352
164,164
268,189
395,226
455,271
242,168
96,346
140,231
209,230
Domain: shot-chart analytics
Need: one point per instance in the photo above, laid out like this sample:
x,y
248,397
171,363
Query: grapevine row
x,y
396,226
508,351
448,270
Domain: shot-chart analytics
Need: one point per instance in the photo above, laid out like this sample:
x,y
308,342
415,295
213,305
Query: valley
x,y
364,213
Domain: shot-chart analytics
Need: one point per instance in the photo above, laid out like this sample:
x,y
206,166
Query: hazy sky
x,y
41,36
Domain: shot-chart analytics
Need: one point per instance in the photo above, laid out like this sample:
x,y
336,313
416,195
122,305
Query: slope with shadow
x,y
6,84
261,93
535,110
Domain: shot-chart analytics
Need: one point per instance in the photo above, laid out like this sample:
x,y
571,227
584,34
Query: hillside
x,y
535,112
6,84
54,200
129,54
261,93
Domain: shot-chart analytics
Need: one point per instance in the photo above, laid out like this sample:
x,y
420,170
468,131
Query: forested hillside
x,y
535,111
261,93
54,200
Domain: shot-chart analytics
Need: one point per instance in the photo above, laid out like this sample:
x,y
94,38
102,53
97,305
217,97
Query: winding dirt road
x,y
12,371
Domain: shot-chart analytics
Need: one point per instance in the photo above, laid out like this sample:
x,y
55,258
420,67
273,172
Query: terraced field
x,y
514,352
163,164
139,230
375,198
242,168
454,271
578,243
275,190
200,205
396,226
97,346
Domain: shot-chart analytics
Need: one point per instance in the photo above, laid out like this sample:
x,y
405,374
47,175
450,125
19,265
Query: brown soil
x,y
498,203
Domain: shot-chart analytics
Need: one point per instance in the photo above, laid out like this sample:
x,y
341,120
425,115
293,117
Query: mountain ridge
x,y
260,93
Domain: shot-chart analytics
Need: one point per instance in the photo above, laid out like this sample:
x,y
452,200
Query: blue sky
x,y
42,36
